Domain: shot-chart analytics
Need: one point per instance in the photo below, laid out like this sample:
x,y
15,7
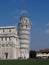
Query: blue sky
x,y
38,13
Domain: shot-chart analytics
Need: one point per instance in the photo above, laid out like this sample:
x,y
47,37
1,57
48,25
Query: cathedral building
x,y
15,44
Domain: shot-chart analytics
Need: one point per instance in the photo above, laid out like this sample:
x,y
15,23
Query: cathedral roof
x,y
2,27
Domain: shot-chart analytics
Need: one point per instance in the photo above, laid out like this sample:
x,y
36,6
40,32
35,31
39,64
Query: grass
x,y
25,62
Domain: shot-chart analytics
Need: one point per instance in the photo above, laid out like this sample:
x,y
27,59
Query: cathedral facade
x,y
14,43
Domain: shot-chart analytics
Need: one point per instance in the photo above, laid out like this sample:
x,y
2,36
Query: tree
x,y
32,54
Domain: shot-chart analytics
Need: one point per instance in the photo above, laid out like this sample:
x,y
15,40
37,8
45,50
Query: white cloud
x,y
23,12
47,24
46,31
16,17
19,11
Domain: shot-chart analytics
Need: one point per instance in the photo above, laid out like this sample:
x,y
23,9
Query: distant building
x,y
43,53
15,43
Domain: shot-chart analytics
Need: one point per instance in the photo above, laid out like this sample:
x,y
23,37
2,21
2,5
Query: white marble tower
x,y
24,35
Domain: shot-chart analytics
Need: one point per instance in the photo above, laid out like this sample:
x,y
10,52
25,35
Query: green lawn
x,y
25,62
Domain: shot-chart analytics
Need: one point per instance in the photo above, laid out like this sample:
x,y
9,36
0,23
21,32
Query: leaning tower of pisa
x,y
24,36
